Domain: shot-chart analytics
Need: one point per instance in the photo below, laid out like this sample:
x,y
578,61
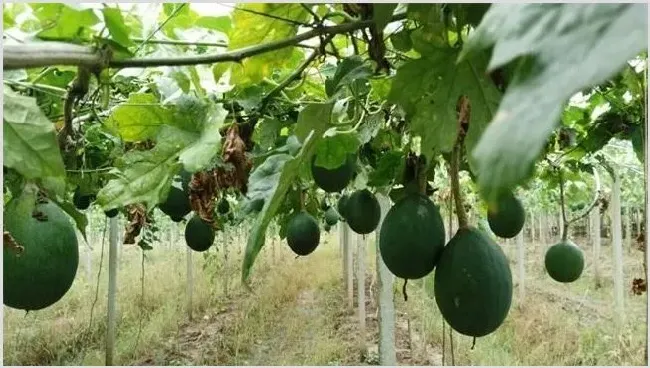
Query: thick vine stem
x,y
41,54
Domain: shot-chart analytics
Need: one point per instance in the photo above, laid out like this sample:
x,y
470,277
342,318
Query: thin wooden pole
x,y
190,281
361,290
617,249
112,290
387,354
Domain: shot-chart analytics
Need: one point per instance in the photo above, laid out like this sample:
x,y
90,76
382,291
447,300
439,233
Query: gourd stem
x,y
565,223
455,184
406,297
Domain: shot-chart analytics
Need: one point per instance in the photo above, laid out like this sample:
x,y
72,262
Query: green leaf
x,y
432,34
250,97
145,176
116,27
182,19
140,118
568,47
389,167
200,154
221,24
181,79
79,218
434,84
196,81
30,143
333,150
274,177
402,40
380,87
369,129
62,22
638,138
266,132
381,14
254,29
348,71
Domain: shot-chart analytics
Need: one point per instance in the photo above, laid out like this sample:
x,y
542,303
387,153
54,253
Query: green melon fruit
x,y
506,218
331,216
340,205
81,201
199,235
412,237
111,213
564,261
44,271
333,180
176,205
223,206
303,234
362,212
473,283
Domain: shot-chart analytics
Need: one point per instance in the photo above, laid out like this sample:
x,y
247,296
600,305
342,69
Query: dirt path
x,y
297,317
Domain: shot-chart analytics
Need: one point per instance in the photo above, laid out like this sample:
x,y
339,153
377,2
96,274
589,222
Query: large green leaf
x,y
79,218
221,24
191,139
266,132
390,165
568,47
138,119
274,177
116,27
428,90
333,150
174,17
62,21
200,154
30,143
349,70
145,176
251,29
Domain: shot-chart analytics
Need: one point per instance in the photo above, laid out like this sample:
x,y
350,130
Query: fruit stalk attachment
x,y
565,227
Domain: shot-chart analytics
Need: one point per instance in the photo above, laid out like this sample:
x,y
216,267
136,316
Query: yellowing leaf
x,y
139,118
254,29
